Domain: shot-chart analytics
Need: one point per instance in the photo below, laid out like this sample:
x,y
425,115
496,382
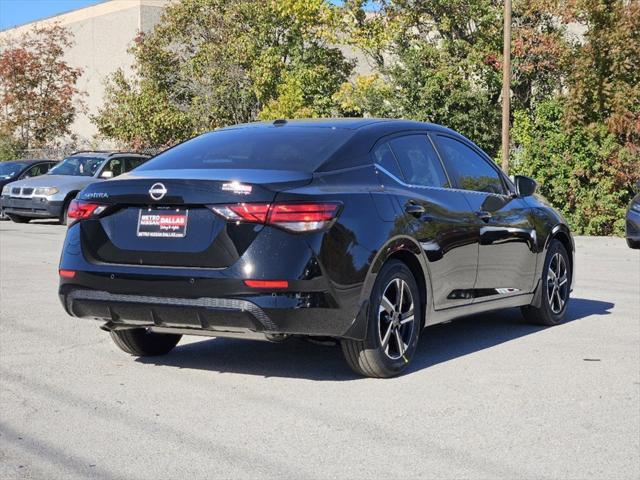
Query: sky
x,y
17,12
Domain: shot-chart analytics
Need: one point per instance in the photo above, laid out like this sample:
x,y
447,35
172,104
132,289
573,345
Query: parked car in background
x,y
21,169
48,196
633,221
362,230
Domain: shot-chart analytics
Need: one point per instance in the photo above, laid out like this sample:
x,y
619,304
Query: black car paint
x,y
632,222
459,259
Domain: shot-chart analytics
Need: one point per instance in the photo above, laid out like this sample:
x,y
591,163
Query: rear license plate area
x,y
162,223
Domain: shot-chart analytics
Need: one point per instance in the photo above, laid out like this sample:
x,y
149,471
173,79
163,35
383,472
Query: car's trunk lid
x,y
162,218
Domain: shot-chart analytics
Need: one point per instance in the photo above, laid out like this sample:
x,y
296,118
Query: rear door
x,y
507,258
436,215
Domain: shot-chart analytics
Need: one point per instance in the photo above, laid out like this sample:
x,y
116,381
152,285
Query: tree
x,y
441,60
211,63
38,94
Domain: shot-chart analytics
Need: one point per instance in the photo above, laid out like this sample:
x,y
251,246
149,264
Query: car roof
x,y
30,161
344,123
365,133
107,154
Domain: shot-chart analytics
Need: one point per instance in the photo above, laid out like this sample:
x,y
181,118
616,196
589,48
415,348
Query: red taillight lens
x,y
79,209
67,273
302,212
269,284
297,217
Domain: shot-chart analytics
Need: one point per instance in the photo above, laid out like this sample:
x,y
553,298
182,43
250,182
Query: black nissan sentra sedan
x,y
361,230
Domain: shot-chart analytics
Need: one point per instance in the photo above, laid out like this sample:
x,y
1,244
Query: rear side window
x,y
470,170
386,159
277,148
418,161
115,166
132,163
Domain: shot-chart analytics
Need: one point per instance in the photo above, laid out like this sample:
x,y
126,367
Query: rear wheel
x,y
394,324
141,342
555,285
633,243
18,218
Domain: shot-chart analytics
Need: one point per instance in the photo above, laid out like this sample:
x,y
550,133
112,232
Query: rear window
x,y
277,148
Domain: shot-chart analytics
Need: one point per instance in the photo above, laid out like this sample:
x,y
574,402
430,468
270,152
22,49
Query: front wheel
x,y
393,328
141,342
556,287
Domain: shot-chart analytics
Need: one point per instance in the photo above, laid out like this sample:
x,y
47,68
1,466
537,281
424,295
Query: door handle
x,y
414,209
484,215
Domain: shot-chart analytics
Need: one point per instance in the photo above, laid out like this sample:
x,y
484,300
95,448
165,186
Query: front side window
x,y
115,166
77,166
469,169
418,161
36,170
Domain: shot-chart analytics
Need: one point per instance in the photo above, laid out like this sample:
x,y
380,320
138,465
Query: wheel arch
x,y
561,233
409,252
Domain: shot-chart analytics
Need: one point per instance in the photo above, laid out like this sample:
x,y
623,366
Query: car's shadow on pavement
x,y
301,359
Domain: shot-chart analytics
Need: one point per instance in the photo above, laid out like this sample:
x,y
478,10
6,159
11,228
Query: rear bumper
x,y
270,314
35,207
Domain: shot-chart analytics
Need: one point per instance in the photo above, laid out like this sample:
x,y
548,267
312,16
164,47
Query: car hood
x,y
62,182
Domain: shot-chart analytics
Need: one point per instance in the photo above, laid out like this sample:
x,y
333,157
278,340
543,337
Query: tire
x,y
18,218
380,355
555,291
633,243
65,210
141,343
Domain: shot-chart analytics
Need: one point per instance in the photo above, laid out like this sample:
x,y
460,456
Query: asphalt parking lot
x,y
487,396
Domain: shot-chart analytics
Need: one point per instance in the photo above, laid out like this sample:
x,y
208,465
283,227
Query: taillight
x,y
268,284
246,212
79,210
67,273
296,217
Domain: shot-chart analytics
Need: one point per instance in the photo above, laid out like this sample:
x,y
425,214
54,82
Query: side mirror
x,y
525,186
106,174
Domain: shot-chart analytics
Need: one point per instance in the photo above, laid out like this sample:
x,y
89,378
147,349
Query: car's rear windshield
x,y
277,148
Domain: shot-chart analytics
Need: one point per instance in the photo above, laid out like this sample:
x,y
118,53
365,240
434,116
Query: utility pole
x,y
506,85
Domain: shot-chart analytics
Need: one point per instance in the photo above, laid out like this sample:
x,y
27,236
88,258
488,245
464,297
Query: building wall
x,y
102,35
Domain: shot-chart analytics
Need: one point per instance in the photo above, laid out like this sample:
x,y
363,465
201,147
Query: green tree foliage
x,y
211,63
583,170
440,61
38,94
585,146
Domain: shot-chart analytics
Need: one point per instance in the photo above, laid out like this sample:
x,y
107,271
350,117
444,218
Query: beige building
x,y
102,35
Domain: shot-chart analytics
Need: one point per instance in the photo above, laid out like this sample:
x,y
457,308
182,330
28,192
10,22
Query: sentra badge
x,y
237,187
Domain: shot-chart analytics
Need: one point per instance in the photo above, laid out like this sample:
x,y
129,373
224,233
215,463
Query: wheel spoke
x,y
401,346
386,305
562,280
406,320
387,336
560,300
399,294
